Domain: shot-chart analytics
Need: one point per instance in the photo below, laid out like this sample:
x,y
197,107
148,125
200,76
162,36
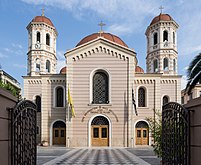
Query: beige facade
x,y
195,93
104,80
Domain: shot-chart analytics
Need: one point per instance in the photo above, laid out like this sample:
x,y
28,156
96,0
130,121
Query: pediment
x,y
100,45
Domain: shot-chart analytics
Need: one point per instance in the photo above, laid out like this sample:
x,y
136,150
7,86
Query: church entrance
x,y
142,133
59,133
100,131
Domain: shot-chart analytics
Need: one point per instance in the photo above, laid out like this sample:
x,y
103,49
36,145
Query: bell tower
x,y
162,52
41,56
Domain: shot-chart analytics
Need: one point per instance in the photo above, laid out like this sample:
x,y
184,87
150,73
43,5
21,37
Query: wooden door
x,y
59,136
99,135
142,136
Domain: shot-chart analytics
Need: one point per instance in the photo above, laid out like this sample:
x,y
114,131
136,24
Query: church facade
x,y
103,79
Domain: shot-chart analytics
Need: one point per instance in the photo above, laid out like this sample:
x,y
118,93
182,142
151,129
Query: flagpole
x,y
68,140
132,132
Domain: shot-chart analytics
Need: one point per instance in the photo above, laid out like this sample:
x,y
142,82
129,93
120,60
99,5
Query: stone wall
x,y
194,106
7,100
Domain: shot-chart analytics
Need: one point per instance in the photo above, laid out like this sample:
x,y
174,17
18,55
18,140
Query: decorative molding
x,y
100,110
56,81
99,49
34,81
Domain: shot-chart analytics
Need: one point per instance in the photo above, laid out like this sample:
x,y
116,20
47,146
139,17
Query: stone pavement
x,y
87,156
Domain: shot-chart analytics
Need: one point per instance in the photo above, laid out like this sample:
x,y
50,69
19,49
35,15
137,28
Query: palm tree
x,y
193,73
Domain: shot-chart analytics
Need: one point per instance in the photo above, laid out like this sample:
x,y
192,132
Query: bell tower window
x,y
155,65
47,66
165,36
47,39
165,64
38,37
173,38
37,65
155,38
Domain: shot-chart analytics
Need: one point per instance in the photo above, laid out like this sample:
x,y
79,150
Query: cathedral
x,y
101,97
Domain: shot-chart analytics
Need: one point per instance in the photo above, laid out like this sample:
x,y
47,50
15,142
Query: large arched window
x,y
37,65
59,97
165,36
165,64
38,103
165,100
47,66
38,37
155,38
155,65
47,39
100,88
141,97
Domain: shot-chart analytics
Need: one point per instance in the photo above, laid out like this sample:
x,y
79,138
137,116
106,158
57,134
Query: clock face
x,y
37,45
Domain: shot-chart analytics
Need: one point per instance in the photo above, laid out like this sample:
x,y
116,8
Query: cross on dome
x,y
101,24
161,8
43,11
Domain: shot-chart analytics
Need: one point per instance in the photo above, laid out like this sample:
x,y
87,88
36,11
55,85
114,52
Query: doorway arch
x,y
99,133
141,133
58,133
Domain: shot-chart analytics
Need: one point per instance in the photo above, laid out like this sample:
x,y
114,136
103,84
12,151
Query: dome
x,y
161,17
107,36
63,70
138,69
42,19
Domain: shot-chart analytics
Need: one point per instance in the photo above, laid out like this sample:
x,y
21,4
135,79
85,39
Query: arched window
x,y
173,38
47,39
38,103
165,100
100,88
141,97
174,65
47,66
38,37
165,64
155,65
37,65
155,38
165,36
59,97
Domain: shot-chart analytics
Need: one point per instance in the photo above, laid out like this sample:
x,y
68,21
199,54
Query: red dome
x,y
161,17
63,70
138,69
43,19
107,36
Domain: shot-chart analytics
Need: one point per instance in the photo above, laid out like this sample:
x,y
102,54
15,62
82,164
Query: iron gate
x,y
175,134
23,133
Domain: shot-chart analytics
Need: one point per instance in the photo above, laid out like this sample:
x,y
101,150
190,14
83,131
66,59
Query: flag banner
x,y
133,101
70,103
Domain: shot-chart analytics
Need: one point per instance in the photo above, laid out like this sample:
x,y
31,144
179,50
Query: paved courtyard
x,y
87,156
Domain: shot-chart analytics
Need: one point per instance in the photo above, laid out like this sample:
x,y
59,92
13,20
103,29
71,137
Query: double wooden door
x,y
142,136
59,136
99,135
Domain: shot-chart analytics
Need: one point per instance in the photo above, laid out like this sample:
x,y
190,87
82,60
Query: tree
x,y
193,73
155,126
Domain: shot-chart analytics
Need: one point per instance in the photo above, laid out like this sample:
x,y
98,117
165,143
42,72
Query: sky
x,y
76,19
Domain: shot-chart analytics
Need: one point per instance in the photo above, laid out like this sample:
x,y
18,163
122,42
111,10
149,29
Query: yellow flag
x,y
70,103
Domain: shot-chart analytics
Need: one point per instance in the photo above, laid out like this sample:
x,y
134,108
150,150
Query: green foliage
x,y
13,90
155,126
193,73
